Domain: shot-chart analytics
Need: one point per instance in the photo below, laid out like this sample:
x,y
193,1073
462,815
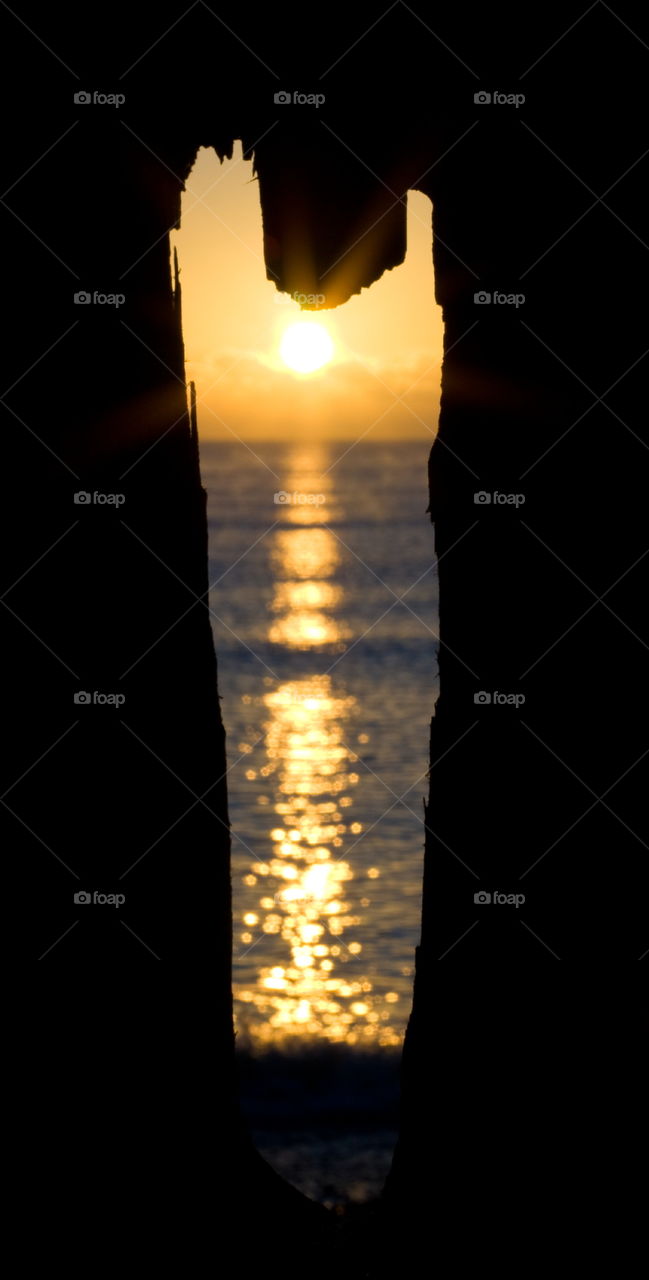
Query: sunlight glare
x,y
306,347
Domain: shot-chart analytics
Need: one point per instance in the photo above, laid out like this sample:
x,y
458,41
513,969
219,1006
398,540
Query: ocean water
x,y
325,1117
324,612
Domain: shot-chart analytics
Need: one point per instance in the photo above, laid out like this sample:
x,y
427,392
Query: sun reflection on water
x,y
313,988
311,899
304,560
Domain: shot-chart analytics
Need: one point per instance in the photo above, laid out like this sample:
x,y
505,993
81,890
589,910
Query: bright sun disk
x,y
306,347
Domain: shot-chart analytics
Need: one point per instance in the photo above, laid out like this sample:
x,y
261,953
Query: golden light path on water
x,y
309,897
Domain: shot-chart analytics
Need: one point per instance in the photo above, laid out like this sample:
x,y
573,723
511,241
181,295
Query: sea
x,y
324,609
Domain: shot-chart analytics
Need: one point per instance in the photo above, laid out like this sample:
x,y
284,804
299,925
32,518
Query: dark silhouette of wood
x,y
543,400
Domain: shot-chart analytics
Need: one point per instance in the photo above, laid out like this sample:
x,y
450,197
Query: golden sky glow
x,y
337,376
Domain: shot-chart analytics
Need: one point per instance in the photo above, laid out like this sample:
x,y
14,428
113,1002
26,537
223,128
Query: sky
x,y
382,379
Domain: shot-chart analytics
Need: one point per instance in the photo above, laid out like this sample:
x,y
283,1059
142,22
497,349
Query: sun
x,y
306,347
